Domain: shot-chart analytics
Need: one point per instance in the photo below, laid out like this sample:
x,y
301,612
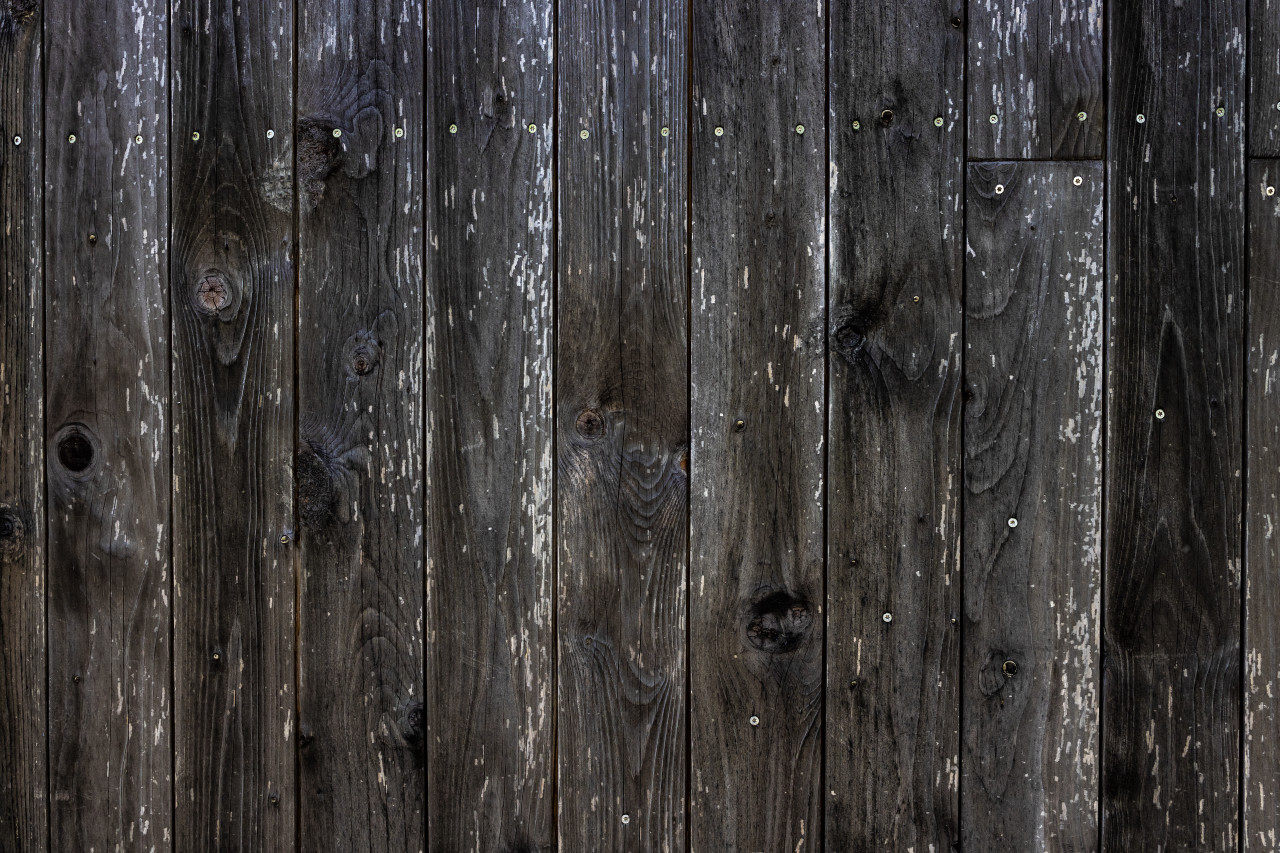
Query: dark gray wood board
x,y
107,424
1261,784
489,478
359,466
23,777
1032,505
896,185
1036,80
622,424
1171,608
1264,78
232,301
758,392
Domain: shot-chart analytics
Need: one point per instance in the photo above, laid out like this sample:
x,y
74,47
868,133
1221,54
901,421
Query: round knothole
x,y
886,117
75,452
590,424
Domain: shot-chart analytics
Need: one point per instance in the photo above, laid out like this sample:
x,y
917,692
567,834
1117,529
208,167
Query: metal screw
x,y
584,134
1271,190
937,122
887,617
1082,115
1278,105
17,140
626,818
195,135
337,131
666,131
93,239
719,131
1013,522
72,139
857,125
138,139
1009,668
1159,414
453,128
915,299
994,118
533,128
217,655
284,540
1141,119
999,189
1077,180
1220,111
800,129
399,132
755,721
271,134
739,425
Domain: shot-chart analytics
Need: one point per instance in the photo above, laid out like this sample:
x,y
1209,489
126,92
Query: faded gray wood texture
x,y
1033,506
23,778
107,424
1175,345
1261,782
360,436
1264,81
622,425
489,142
895,189
757,359
231,276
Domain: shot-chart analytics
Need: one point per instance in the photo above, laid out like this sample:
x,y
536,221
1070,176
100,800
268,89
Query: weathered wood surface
x,y
1261,782
359,454
1032,506
23,778
490,318
1036,79
622,424
107,424
232,302
757,388
1264,84
1172,607
895,185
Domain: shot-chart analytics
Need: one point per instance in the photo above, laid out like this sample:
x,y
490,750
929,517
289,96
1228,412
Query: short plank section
x,y
1032,506
758,375
1264,84
1036,79
622,424
23,793
1261,831
359,462
489,548
1171,609
896,185
107,425
232,295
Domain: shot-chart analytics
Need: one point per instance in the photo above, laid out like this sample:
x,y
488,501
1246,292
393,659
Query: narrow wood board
x,y
1171,607
107,425
1264,78
758,396
359,466
1261,785
1036,80
896,185
232,297
1032,506
622,425
23,775
489,631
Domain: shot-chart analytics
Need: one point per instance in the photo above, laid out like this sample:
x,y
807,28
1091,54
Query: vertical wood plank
x,y
896,187
23,775
359,463
622,424
490,644
1032,507
1261,829
1038,69
232,279
758,395
107,426
1172,631
1264,78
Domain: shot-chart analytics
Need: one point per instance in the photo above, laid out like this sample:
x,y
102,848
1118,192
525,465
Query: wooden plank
x,y
490,641
622,416
1264,78
893,524
233,491
362,785
1172,632
1032,506
1035,75
1261,829
758,388
23,774
107,347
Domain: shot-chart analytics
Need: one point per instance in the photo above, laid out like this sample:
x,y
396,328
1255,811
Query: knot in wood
x,y
413,728
363,353
590,424
15,12
848,340
212,294
75,451
886,117
779,623
13,533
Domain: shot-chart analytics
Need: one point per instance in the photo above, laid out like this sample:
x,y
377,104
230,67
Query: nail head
x,y
800,129
337,131
1141,119
1271,190
138,139
453,128
72,139
533,128
195,135
999,189
915,299
626,818
994,118
271,134
666,131
719,131
1082,115
1220,111
937,122
755,721
1013,522
887,617
857,125
17,140
399,132
739,425
284,540
1159,414
1077,180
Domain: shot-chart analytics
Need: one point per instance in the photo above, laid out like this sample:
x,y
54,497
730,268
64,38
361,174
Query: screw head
x,y
284,539
1077,180
1009,668
755,721
337,132
1140,119
399,132
138,139
71,138
1220,111
1271,190
1159,414
937,122
1013,522
1082,115
626,818
271,134
453,128
857,125
993,118
719,131
887,617
915,299
533,128
1278,105
584,134
195,135
999,189
17,140
666,131
800,129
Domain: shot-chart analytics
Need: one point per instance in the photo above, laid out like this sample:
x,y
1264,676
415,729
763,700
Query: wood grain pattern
x,y
622,424
1172,632
359,465
896,186
1038,69
107,433
23,776
490,641
1033,506
1261,784
232,279
1264,79
758,388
